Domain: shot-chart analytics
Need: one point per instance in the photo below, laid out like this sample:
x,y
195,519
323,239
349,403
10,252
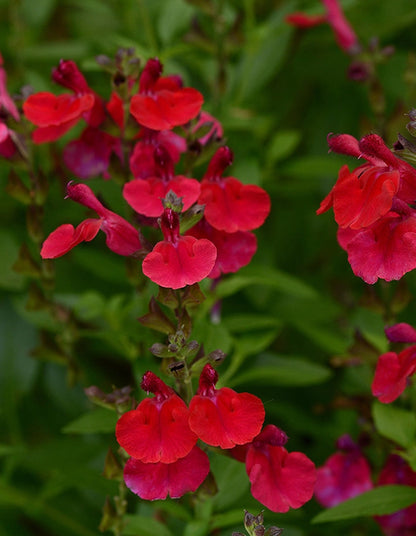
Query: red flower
x,y
230,205
142,161
145,195
152,481
361,197
303,20
55,115
386,249
344,475
68,75
162,103
381,167
234,250
157,430
122,237
89,156
403,522
344,34
392,373
222,417
280,480
401,332
178,261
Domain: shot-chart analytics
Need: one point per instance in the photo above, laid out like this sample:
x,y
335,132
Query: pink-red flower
x,y
386,249
142,160
371,206
178,260
162,103
280,480
344,475
55,115
230,205
222,417
152,481
234,250
145,195
89,156
121,236
157,430
403,522
344,33
394,369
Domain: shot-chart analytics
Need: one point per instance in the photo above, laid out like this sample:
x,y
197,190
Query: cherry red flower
x,y
89,156
403,522
379,159
145,195
152,481
55,115
178,260
386,249
230,205
392,373
344,475
142,161
280,480
344,33
401,332
121,236
222,417
157,430
361,197
234,250
303,20
162,103
67,74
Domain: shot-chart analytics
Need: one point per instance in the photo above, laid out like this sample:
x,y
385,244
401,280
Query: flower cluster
x,y
161,434
220,211
347,474
394,369
373,208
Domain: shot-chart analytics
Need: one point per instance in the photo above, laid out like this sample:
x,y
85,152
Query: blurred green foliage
x,y
302,331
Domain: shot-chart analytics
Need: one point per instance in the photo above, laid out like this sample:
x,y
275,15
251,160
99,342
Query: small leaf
x,y
270,278
93,422
379,501
145,526
282,370
394,423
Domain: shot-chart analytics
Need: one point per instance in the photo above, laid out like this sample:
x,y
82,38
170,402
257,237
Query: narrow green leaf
x,y
266,277
280,370
94,422
379,501
395,423
145,526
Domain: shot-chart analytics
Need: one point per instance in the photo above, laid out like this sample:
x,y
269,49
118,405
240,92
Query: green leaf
x,y
266,277
174,17
145,526
281,370
248,322
394,423
94,422
379,501
282,144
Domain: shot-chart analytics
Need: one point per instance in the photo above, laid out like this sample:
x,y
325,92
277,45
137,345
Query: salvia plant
x,y
144,167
